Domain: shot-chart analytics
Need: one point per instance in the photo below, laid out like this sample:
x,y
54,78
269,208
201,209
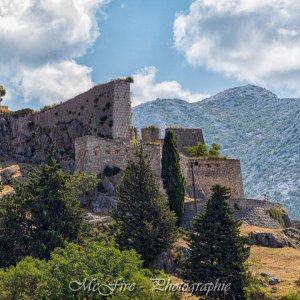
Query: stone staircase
x,y
256,216
249,211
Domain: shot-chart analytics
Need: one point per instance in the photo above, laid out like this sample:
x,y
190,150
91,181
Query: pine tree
x,y
173,180
218,252
143,218
41,215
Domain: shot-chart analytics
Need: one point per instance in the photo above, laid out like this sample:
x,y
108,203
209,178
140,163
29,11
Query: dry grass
x,y
283,263
20,170
246,229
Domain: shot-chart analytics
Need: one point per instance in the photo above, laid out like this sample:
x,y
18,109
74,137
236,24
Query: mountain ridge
x,y
250,123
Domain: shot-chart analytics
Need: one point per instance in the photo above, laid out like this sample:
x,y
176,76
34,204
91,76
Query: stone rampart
x,y
186,137
208,172
93,154
249,211
150,134
104,111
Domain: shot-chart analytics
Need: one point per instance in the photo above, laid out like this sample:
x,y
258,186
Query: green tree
x,y
214,151
63,276
83,186
199,150
41,215
143,218
1,186
173,180
218,251
2,91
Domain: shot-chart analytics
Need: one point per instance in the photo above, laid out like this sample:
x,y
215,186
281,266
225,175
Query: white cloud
x,y
146,88
40,40
255,41
54,80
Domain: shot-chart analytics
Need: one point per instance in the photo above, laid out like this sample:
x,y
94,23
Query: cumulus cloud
x,y
40,40
255,41
146,88
54,80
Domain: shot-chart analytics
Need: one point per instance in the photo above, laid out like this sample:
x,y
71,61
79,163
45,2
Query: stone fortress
x,y
93,133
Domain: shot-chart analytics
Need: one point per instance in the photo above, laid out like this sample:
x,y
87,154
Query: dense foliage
x,y
173,180
217,249
1,186
2,91
200,150
42,213
80,272
83,186
144,220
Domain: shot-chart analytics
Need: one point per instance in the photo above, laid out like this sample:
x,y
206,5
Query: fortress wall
x,y
122,126
93,154
102,111
186,137
150,134
208,172
249,211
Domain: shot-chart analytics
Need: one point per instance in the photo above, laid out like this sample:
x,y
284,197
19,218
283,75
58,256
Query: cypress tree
x,y
173,180
218,252
144,220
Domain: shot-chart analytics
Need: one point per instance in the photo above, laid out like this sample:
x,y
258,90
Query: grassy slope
x,y
283,263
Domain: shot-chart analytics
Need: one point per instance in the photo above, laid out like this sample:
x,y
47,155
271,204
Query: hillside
x,y
250,123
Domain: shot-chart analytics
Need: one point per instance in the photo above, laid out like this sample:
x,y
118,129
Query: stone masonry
x,y
94,154
93,130
208,172
186,137
249,211
103,111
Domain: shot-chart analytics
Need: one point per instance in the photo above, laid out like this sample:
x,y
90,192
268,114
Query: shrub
x,y
291,296
2,91
254,289
63,275
47,107
1,186
22,112
129,79
111,171
200,150
276,214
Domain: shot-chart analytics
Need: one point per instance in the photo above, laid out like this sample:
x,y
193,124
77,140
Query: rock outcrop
x,y
268,240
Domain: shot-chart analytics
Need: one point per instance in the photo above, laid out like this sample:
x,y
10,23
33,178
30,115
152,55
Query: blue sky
x,y
139,33
52,50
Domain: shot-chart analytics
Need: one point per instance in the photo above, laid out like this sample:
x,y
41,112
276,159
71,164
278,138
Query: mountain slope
x,y
250,123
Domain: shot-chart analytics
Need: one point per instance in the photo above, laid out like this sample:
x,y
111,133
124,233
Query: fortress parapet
x,y
186,137
150,134
208,172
